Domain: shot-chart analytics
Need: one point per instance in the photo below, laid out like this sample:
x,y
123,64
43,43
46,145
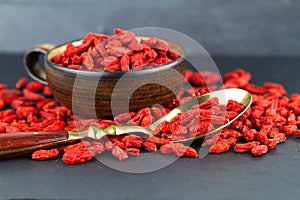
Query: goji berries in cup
x,y
157,85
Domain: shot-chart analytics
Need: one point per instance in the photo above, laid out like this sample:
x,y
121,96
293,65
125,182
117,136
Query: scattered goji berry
x,y
250,135
32,96
259,150
240,148
35,86
219,147
78,153
21,83
271,143
44,154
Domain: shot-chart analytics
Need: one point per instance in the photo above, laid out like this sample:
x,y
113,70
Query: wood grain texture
x,y
11,141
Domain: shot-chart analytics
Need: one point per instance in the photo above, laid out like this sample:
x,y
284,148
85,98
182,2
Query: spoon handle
x,y
11,141
27,150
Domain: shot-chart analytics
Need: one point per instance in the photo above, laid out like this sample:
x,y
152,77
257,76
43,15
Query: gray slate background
x,y
223,27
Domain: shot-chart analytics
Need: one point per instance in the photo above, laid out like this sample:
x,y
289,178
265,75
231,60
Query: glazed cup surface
x,y
106,94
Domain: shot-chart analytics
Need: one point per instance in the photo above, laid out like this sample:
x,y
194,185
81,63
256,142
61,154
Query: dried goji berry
x,y
45,154
259,150
119,153
133,151
149,146
109,145
167,148
289,129
132,141
219,147
21,83
254,89
271,143
181,151
231,141
47,91
32,96
35,86
8,95
240,148
157,141
279,137
227,133
234,106
250,135
77,153
2,104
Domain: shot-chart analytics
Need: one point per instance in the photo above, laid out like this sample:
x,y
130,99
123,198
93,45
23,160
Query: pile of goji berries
x,y
271,117
120,52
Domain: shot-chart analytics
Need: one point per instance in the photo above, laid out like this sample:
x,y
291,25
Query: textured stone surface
x,y
232,27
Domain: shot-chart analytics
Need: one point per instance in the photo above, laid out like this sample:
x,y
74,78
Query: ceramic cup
x,y
105,94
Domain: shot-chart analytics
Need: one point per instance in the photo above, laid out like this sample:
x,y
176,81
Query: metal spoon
x,y
16,144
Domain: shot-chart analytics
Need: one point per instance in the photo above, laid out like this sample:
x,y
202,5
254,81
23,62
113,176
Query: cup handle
x,y
32,62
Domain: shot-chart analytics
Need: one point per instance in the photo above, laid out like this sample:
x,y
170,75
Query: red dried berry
x,y
21,83
181,151
47,91
44,154
132,141
271,143
157,141
231,141
149,146
259,150
167,148
32,96
250,135
109,145
35,86
3,86
219,147
240,148
119,153
77,153
133,151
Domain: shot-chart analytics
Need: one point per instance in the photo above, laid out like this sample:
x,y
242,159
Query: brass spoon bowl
x,y
14,144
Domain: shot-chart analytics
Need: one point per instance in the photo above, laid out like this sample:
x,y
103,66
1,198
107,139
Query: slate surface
x,y
231,27
226,176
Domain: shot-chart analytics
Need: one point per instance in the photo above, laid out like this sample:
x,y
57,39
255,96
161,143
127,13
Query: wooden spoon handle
x,y
27,150
11,141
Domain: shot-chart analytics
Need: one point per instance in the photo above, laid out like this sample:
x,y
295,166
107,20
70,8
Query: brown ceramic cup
x,y
105,94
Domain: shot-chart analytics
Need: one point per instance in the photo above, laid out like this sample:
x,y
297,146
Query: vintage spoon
x,y
15,144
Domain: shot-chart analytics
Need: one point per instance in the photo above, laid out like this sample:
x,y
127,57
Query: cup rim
x,y
143,71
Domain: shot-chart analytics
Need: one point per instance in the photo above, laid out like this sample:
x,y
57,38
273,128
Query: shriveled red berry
x,y
119,153
240,148
259,150
219,147
44,154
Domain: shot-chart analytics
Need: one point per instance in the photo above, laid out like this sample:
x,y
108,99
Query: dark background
x,y
260,36
231,27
